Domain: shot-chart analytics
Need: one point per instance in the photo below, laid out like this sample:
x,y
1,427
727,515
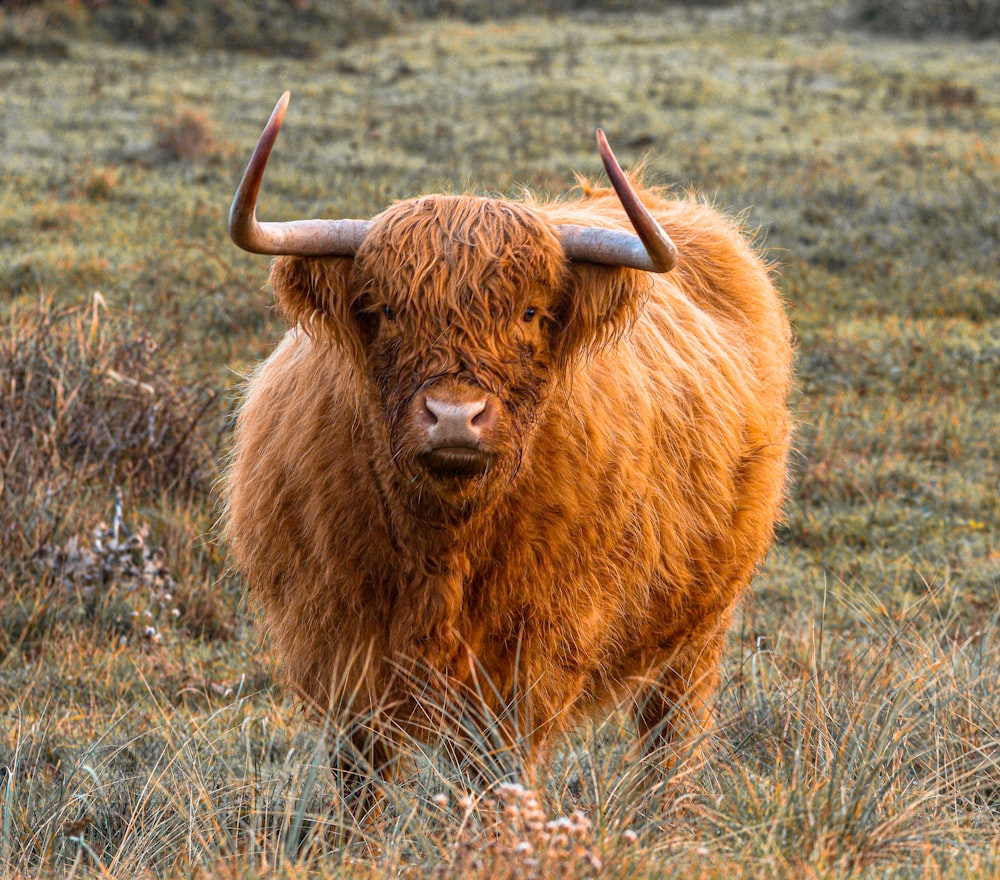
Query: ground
x,y
143,728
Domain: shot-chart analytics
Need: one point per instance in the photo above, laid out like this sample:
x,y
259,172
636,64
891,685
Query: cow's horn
x,y
303,238
651,251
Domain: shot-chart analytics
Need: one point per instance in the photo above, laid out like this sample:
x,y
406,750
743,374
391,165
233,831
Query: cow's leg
x,y
674,709
362,764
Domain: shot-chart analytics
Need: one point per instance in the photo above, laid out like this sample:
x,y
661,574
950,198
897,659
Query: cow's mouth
x,y
456,461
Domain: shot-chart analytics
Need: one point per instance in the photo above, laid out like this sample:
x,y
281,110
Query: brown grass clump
x,y
187,136
97,184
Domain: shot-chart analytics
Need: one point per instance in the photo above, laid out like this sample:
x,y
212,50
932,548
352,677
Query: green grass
x,y
143,731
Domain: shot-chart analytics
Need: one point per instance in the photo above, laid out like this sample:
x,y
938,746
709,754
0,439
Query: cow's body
x,y
637,464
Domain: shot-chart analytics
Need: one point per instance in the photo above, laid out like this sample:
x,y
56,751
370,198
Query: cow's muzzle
x,y
455,429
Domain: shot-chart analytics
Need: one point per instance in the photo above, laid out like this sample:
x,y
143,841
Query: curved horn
x,y
304,238
651,251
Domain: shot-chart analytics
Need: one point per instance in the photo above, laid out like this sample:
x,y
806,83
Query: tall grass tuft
x,y
846,757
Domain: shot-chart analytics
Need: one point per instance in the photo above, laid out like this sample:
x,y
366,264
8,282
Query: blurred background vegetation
x,y
301,28
143,731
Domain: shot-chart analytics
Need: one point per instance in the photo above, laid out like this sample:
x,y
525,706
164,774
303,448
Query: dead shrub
x,y
91,402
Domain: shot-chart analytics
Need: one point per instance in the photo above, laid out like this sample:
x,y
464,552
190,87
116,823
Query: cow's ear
x,y
598,304
317,294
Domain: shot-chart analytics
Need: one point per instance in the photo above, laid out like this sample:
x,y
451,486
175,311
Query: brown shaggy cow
x,y
502,457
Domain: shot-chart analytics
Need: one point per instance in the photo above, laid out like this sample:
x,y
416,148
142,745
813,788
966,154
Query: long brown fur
x,y
639,466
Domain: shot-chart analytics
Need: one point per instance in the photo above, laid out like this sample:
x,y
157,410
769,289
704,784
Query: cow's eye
x,y
529,314
389,312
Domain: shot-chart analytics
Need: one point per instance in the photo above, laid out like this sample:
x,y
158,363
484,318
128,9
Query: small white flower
x,y
175,612
524,848
440,799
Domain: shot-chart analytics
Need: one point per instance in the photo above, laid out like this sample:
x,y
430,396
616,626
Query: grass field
x,y
143,729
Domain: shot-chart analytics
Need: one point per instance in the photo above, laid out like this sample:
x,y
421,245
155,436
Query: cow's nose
x,y
456,422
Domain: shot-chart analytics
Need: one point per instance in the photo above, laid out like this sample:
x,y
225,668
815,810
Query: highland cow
x,y
508,452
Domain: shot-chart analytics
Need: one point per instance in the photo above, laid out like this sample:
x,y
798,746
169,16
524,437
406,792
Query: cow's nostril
x,y
429,415
483,418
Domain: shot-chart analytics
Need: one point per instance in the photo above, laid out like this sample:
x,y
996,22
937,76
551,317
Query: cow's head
x,y
459,310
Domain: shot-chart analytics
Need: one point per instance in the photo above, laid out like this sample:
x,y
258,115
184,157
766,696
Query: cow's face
x,y
462,313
